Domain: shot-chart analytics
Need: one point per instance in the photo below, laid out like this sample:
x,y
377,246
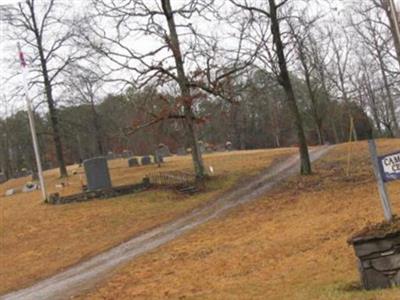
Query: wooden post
x,y
387,210
350,149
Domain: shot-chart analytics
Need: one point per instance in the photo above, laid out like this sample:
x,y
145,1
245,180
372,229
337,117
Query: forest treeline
x,y
262,122
111,76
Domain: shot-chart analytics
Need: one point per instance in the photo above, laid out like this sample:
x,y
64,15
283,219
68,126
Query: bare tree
x,y
376,39
305,43
276,53
320,60
388,8
44,32
340,75
84,87
182,55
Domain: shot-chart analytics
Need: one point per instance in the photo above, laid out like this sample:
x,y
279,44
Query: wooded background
x,y
109,76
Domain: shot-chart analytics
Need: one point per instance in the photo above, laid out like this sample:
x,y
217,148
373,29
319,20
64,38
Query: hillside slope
x,y
38,240
291,244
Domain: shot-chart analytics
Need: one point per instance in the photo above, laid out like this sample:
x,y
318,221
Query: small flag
x,y
21,57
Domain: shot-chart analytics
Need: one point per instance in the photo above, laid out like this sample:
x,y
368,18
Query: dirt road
x,y
85,275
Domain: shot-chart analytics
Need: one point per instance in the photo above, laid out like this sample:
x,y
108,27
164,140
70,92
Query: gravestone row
x,y
144,160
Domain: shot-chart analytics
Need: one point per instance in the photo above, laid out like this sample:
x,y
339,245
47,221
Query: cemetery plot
x,y
184,182
105,193
39,239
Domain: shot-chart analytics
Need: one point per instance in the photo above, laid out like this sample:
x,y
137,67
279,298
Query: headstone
x,y
145,160
160,153
181,151
110,155
10,192
163,150
133,162
127,154
229,146
29,187
158,157
97,174
201,146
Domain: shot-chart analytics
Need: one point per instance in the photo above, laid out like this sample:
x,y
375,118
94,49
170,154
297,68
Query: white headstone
x,y
10,192
29,187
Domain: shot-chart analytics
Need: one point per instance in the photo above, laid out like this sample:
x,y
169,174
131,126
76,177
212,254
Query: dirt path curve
x,y
85,275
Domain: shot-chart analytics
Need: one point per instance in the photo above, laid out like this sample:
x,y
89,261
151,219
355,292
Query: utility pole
x,y
32,122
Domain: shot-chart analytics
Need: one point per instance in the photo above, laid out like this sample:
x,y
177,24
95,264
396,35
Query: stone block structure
x,y
378,260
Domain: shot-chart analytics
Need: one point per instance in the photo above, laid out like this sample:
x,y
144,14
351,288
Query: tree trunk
x,y
388,95
6,152
319,132
97,129
191,134
49,97
277,142
372,103
284,80
317,119
183,83
334,130
389,129
386,6
329,105
55,127
80,150
311,92
236,130
342,89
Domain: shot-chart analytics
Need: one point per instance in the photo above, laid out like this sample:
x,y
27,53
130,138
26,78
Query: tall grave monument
x,y
97,173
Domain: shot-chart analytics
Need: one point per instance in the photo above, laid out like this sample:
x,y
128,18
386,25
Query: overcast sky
x,y
337,7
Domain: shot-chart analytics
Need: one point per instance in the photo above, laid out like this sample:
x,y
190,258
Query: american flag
x,y
21,57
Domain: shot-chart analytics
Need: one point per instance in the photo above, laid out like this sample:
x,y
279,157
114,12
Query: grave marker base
x,y
100,194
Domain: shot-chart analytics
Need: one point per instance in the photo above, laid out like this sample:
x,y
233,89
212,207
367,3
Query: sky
x,y
8,49
5,2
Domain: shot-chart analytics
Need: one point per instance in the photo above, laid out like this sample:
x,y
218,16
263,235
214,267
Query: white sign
x,y
390,166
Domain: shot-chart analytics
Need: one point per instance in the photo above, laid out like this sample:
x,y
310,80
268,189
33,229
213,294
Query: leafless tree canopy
x,y
130,74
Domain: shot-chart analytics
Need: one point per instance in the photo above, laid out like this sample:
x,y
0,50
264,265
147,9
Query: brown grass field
x,y
38,240
290,244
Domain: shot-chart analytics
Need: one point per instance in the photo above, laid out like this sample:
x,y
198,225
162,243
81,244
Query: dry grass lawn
x,y
291,244
37,240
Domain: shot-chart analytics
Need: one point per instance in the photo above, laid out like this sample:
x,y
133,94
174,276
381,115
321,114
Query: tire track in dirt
x,y
85,275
